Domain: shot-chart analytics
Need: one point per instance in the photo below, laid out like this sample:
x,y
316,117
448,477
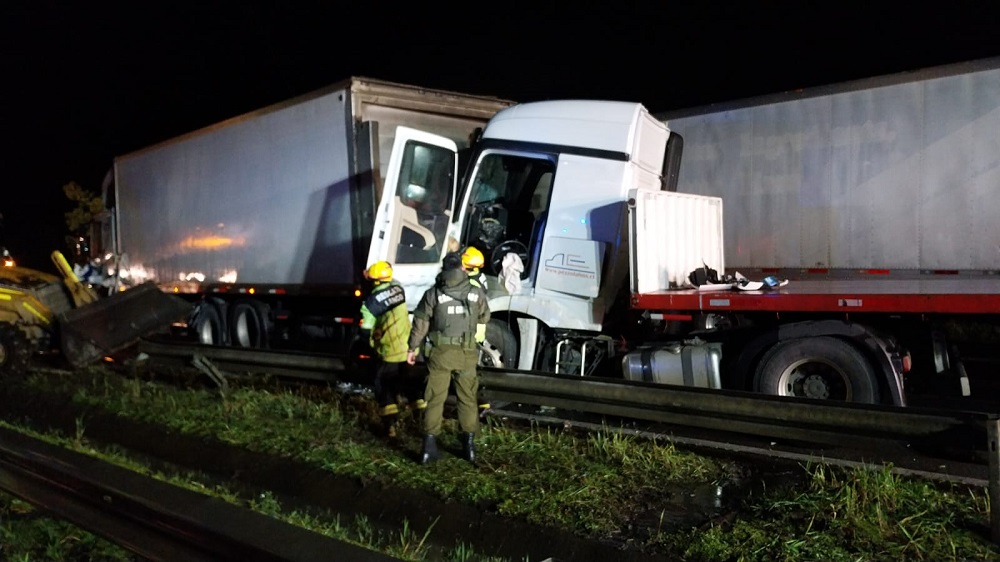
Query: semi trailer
x,y
264,221
891,175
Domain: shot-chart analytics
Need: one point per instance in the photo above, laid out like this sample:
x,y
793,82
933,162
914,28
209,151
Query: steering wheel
x,y
509,247
490,232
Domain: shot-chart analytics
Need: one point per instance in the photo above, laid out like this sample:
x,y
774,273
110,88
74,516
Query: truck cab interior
x,y
508,206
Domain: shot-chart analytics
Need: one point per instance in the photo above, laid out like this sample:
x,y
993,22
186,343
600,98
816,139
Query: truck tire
x,y
15,351
207,325
823,368
500,347
246,325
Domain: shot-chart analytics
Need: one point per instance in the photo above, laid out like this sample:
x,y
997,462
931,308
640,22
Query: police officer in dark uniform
x,y
450,314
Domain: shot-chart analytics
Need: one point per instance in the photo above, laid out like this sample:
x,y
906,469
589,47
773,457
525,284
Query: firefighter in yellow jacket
x,y
450,314
384,315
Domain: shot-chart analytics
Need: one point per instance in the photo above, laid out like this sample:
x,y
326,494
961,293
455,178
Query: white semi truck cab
x,y
550,183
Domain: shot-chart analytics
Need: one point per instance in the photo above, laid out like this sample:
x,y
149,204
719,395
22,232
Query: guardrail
x,y
834,423
151,518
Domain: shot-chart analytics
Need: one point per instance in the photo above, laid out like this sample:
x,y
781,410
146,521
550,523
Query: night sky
x,y
86,81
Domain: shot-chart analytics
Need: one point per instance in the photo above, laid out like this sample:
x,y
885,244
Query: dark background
x,y
86,81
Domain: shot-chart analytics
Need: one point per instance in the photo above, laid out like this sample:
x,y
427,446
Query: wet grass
x,y
28,535
591,484
580,482
849,515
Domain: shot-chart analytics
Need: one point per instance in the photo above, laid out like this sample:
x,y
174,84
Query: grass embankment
x,y
594,485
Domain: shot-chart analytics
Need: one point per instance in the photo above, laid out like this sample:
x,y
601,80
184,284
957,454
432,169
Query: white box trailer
x,y
891,174
280,201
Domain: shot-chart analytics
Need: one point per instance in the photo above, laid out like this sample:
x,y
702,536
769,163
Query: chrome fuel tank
x,y
686,365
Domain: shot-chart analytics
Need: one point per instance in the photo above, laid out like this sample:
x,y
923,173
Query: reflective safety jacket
x,y
384,313
450,312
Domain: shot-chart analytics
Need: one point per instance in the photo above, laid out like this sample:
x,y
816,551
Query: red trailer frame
x,y
911,296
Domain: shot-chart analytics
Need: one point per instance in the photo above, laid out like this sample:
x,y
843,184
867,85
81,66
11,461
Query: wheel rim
x,y
810,378
242,331
489,356
206,333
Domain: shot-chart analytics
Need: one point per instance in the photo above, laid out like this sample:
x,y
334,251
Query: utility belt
x,y
465,341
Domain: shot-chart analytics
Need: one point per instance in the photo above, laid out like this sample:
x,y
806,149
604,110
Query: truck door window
x,y
423,202
509,198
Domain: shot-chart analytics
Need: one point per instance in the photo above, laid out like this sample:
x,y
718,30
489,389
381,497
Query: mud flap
x,y
112,324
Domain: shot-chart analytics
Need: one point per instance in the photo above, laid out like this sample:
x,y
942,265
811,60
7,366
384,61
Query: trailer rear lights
x,y
876,271
357,292
343,320
276,291
251,290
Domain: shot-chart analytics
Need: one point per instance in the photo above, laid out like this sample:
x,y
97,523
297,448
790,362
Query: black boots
x,y
389,426
469,447
430,452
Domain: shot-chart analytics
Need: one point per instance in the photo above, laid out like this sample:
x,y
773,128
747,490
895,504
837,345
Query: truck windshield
x,y
508,203
424,202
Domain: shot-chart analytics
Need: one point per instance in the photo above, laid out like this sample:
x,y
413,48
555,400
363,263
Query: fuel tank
x,y
678,364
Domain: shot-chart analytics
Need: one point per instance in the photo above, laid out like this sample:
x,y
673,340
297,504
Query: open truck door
x,y
414,217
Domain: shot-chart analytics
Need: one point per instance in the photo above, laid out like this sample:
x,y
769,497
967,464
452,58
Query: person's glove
x,y
480,333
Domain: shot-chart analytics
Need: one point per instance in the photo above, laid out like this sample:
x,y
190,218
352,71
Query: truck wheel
x,y
823,368
246,326
207,325
14,350
500,347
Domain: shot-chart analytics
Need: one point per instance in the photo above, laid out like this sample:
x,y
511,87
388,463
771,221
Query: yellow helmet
x,y
472,258
379,271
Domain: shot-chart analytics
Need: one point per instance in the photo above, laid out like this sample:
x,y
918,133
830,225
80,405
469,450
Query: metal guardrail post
x,y
993,452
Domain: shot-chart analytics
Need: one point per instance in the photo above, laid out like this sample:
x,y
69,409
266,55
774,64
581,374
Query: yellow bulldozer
x,y
41,312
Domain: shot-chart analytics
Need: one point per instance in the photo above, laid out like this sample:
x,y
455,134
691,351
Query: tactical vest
x,y
454,320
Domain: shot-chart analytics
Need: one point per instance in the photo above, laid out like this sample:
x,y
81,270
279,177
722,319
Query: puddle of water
x,y
682,507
